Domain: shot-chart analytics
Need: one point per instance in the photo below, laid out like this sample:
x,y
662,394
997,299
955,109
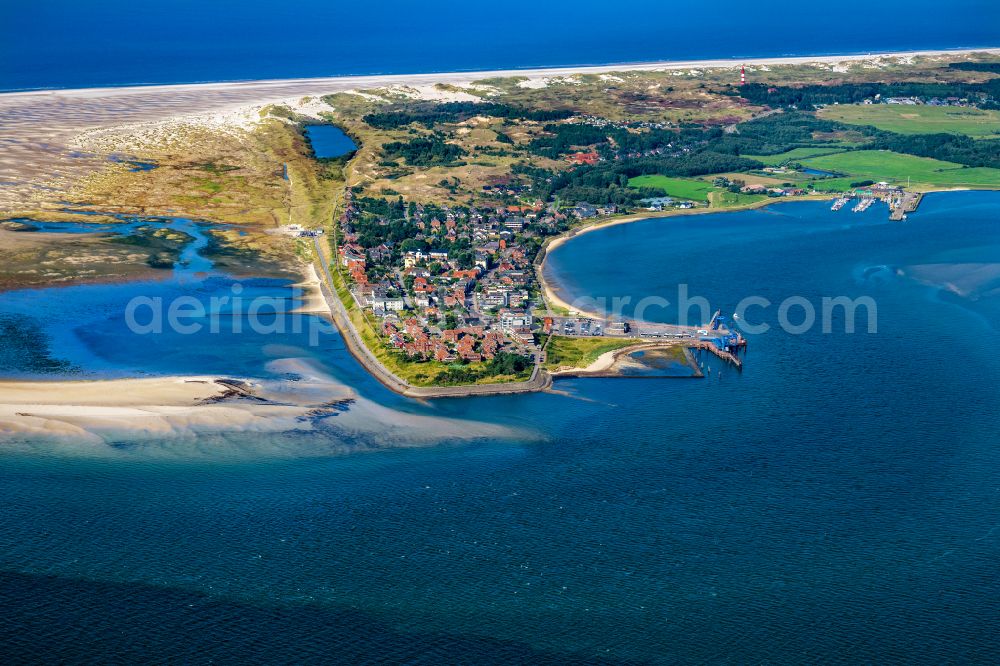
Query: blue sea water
x,y
68,44
836,501
87,326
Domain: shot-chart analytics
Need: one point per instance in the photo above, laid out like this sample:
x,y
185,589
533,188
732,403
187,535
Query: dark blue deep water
x,y
329,141
838,501
70,44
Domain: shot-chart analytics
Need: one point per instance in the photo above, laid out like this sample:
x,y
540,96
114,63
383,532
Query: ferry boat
x,y
840,203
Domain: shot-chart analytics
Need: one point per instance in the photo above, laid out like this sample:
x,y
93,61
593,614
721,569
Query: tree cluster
x,y
430,114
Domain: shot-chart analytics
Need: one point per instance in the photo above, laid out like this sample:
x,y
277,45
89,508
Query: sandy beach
x,y
99,412
312,301
379,80
84,408
610,363
43,134
52,137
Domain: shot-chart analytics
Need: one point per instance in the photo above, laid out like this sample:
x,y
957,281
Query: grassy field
x,y
727,199
680,188
567,352
204,174
793,155
699,190
770,180
906,119
835,184
881,165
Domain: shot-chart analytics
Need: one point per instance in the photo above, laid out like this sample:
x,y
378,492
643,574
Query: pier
x,y
907,202
725,355
900,201
717,337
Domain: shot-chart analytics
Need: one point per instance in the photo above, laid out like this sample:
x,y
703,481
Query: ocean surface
x,y
70,44
837,501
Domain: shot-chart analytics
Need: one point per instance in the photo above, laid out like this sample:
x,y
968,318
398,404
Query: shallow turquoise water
x,y
837,501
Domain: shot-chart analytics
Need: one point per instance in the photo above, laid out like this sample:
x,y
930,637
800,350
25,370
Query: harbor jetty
x,y
906,203
900,201
718,337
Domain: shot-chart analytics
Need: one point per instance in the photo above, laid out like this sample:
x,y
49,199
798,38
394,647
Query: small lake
x,y
820,173
329,141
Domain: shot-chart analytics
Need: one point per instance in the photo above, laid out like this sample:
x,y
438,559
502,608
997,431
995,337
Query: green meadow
x,y
680,188
836,184
879,165
726,199
918,119
565,351
793,155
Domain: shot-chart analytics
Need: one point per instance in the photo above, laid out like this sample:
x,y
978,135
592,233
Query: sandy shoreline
x,y
610,363
162,409
311,299
378,80
38,129
79,408
52,138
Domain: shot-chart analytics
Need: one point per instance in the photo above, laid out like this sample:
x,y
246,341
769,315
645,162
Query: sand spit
x,y
99,412
96,414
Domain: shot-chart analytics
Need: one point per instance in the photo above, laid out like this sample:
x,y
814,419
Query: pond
x,y
820,173
329,141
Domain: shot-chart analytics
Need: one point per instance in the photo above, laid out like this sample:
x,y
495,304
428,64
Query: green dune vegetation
x,y
726,199
457,169
616,140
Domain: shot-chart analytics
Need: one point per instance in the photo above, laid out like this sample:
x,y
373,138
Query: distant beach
x,y
374,81
52,137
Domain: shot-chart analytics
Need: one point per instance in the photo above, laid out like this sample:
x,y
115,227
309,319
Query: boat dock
x,y
907,202
839,203
863,205
718,336
725,355
900,201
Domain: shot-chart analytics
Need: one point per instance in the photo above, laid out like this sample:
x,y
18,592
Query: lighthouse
x,y
743,75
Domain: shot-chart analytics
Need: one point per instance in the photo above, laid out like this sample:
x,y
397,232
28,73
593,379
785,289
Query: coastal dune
x,y
43,131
